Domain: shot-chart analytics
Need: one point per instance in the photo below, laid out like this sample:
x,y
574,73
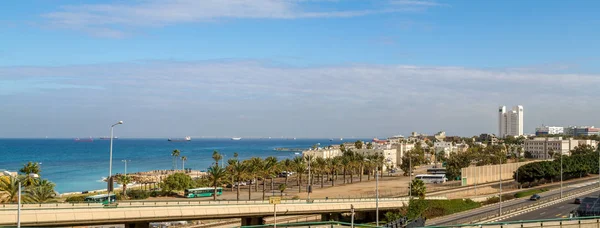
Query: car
x,y
535,197
577,201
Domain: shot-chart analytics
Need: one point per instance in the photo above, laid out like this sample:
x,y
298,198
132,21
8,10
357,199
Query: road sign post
x,y
274,201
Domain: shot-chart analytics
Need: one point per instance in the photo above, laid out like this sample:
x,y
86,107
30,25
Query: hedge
x,y
530,192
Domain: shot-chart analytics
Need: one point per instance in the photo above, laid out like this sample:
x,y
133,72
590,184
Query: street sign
x,y
274,200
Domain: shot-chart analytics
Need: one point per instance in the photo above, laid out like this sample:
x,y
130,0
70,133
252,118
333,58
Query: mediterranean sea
x,y
81,166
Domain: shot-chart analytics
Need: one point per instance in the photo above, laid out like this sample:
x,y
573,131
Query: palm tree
x,y
345,166
299,167
175,154
9,185
216,175
257,167
418,188
286,165
360,160
183,159
321,167
333,164
41,192
238,171
124,180
28,169
250,171
217,156
358,144
268,170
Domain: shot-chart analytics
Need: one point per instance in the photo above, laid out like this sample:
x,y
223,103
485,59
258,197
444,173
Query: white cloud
x,y
331,100
417,3
113,20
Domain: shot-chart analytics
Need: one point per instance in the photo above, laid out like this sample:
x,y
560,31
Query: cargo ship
x,y
187,138
84,139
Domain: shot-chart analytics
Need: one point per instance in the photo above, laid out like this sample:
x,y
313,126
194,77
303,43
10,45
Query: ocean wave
x,y
102,179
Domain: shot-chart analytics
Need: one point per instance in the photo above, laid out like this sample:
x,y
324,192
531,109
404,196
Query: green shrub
x,y
529,192
76,199
296,197
138,194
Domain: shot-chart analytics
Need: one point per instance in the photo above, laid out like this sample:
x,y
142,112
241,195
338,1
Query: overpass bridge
x,y
139,214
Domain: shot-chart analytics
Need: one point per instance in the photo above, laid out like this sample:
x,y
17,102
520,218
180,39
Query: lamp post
x,y
125,165
352,219
561,175
309,184
377,195
500,196
19,207
110,160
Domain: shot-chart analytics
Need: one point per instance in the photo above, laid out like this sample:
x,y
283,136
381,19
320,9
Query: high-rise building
x,y
510,123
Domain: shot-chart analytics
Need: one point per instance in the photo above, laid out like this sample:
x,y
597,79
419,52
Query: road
x,y
468,216
560,210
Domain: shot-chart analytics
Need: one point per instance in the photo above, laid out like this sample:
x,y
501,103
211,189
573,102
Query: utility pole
x,y
19,207
500,198
561,175
352,219
309,184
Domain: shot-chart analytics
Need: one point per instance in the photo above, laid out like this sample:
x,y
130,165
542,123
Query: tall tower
x,y
510,123
501,121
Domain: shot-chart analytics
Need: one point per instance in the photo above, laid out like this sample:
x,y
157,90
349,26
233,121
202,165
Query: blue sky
x,y
320,68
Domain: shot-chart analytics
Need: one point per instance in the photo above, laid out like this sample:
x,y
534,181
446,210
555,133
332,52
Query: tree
x,y
370,145
124,180
29,169
183,159
250,171
217,156
41,192
321,168
583,149
257,167
286,165
299,168
216,176
358,144
9,186
342,147
333,164
177,182
238,172
175,154
270,168
282,188
418,188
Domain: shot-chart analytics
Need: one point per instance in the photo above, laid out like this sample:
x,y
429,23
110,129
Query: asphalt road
x,y
460,217
560,210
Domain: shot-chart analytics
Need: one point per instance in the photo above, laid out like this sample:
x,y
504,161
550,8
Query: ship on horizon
x,y
108,137
90,139
236,138
187,138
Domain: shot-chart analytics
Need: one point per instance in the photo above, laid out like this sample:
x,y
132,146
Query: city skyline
x,y
305,69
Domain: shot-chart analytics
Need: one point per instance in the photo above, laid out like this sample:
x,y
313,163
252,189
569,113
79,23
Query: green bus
x,y
202,192
103,198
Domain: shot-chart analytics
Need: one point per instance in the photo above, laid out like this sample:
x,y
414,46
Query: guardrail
x,y
510,209
313,224
200,203
592,221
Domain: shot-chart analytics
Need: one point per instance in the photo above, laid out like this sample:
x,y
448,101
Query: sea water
x,y
81,166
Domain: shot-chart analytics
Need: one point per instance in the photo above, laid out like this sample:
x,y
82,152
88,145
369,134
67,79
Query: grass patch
x,y
530,192
436,208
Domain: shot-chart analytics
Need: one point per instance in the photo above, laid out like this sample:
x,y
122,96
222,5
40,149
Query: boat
x,y
84,140
236,139
341,139
187,138
107,137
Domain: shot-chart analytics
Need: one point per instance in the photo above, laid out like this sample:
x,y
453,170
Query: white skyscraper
x,y
510,123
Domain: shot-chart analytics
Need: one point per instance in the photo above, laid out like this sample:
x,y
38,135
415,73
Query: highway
x,y
486,211
560,210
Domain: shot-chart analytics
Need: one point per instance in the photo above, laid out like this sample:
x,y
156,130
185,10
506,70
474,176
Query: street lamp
x,y
110,159
125,165
19,206
309,184
561,175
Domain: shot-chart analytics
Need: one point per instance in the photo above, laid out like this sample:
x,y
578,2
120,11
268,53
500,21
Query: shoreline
x,y
141,178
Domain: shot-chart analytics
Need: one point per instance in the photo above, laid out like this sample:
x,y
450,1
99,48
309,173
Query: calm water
x,y
80,166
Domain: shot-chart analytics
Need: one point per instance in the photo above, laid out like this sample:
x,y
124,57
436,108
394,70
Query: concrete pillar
x,y
138,225
331,216
252,221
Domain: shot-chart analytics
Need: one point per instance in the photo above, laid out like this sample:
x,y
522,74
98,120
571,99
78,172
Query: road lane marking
x,y
558,215
561,206
543,213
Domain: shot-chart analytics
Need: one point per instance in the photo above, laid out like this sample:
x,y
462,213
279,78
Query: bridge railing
x,y
313,224
577,222
199,203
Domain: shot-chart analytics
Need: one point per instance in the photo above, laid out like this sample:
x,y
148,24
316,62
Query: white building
x,y
510,123
446,147
322,152
549,130
402,148
539,147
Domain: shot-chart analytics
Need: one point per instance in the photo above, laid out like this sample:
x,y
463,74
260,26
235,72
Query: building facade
x,y
549,130
541,147
510,123
581,131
